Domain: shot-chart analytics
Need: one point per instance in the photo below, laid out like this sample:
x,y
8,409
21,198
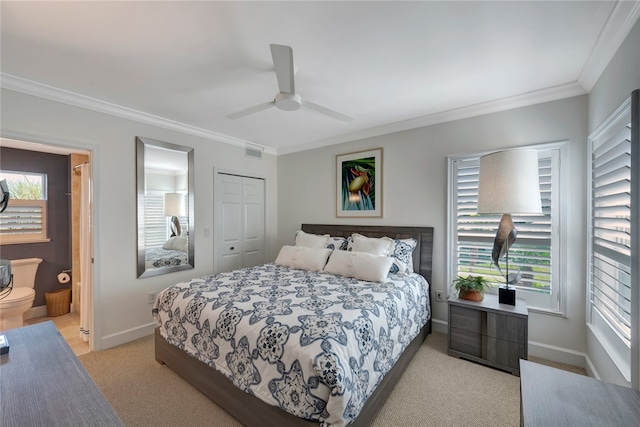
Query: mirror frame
x,y
141,143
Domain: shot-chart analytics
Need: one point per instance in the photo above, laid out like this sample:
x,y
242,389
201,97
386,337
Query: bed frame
x,y
252,411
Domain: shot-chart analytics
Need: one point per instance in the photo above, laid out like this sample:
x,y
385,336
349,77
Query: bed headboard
x,y
422,255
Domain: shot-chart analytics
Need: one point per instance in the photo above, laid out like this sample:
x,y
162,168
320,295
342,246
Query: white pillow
x,y
311,259
377,246
176,243
364,266
311,240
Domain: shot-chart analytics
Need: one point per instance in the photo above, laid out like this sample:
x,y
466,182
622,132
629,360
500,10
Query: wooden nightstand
x,y
488,332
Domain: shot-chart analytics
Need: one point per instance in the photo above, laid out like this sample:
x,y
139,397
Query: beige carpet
x,y
435,390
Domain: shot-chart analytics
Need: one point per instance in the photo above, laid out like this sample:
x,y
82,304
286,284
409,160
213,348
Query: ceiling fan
x,y
287,99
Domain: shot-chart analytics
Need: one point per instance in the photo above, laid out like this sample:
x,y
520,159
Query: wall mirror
x,y
164,183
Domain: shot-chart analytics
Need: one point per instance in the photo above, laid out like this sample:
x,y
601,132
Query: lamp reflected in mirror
x,y
4,195
174,208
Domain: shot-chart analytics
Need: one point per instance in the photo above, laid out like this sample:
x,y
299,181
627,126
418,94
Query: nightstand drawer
x,y
466,319
465,342
503,327
504,353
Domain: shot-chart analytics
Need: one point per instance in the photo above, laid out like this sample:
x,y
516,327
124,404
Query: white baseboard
x,y
591,369
33,312
124,337
439,326
545,351
557,354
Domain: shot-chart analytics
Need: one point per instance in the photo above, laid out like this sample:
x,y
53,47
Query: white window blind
x,y
24,221
25,218
534,252
155,223
610,258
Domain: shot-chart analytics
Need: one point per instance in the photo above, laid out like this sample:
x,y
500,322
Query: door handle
x,y
231,248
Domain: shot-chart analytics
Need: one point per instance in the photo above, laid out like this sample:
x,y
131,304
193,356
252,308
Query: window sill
x,y
546,311
23,242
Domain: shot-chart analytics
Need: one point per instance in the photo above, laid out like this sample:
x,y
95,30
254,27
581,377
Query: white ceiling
x,y
390,65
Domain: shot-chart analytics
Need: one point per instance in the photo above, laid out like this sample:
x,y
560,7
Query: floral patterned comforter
x,y
314,344
159,257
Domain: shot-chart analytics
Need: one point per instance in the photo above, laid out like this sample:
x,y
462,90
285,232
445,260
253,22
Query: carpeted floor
x,y
435,390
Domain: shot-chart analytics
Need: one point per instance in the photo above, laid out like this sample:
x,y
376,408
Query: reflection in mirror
x,y
165,207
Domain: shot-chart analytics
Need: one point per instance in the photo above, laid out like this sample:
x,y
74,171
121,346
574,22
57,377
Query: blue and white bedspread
x,y
159,257
314,344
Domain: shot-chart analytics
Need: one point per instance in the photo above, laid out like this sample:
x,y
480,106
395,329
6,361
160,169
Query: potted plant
x,y
471,288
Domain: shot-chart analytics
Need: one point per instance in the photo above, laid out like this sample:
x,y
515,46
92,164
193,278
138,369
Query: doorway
x,y
70,271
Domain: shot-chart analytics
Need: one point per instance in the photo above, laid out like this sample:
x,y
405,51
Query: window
x,y
25,219
156,225
536,252
610,255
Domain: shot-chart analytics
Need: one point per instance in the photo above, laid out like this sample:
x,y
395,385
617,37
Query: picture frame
x,y
359,184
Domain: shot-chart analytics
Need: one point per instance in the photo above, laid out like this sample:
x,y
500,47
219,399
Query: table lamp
x,y
174,207
508,184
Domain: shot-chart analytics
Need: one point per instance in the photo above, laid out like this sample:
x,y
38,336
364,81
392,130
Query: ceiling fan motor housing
x,y
288,101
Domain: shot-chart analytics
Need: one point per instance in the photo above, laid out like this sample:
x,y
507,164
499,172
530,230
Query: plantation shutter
x,y
155,223
531,253
23,220
610,269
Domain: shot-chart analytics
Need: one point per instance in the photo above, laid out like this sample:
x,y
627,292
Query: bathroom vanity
x,y
43,383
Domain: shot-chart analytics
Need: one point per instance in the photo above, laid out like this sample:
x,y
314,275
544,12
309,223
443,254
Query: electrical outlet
x,y
439,296
152,297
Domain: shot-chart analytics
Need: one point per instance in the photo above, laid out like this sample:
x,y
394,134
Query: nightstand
x,y
488,332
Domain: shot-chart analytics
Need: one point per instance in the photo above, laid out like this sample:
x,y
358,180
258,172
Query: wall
x,y
614,86
122,311
56,254
415,193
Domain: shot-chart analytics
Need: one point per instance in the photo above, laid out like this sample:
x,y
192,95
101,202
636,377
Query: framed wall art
x,y
359,184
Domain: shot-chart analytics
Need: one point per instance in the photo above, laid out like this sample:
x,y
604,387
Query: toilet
x,y
21,297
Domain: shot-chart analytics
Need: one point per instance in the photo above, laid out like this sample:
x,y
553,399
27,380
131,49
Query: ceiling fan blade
x,y
283,63
251,110
325,111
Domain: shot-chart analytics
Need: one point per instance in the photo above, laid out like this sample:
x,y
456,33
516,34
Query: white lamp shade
x,y
174,204
509,183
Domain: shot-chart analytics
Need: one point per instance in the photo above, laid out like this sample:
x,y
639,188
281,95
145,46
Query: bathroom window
x,y
25,219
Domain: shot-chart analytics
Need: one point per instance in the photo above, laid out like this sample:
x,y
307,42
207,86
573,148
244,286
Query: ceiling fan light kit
x,y
287,99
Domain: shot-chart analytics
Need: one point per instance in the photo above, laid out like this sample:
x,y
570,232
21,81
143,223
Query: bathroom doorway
x,y
76,270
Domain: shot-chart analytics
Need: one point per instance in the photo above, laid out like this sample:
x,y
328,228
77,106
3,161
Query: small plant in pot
x,y
471,288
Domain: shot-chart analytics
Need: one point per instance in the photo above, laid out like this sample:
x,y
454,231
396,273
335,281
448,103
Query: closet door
x,y
239,222
229,223
253,221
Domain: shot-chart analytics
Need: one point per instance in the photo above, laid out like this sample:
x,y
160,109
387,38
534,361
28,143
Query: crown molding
x,y
29,87
529,98
41,90
620,22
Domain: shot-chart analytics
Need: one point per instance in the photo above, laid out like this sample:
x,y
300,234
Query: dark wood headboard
x,y
422,255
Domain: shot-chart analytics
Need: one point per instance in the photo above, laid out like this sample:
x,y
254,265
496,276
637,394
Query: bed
x,y
159,257
354,396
